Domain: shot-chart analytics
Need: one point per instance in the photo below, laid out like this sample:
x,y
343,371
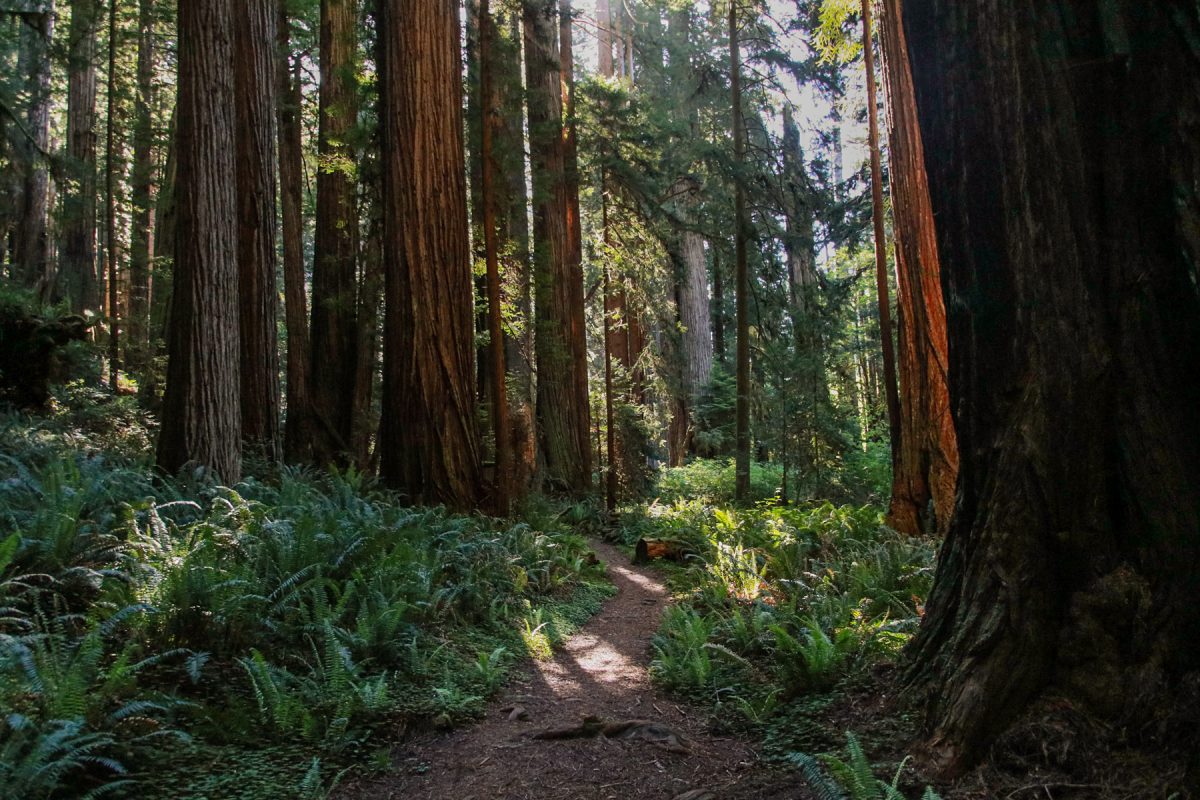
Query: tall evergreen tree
x,y
562,402
79,281
334,282
255,36
201,415
1072,558
428,438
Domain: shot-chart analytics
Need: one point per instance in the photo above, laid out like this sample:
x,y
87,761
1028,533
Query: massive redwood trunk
x,y
201,420
428,437
1062,142
334,283
562,402
926,467
255,86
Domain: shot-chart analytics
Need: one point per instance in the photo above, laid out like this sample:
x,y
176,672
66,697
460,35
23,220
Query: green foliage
x,y
853,779
713,482
309,609
780,602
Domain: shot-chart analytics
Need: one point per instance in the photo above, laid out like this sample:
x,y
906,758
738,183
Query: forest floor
x,y
602,672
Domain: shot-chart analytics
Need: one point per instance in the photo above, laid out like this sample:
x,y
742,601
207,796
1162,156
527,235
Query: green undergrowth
x,y
181,639
782,613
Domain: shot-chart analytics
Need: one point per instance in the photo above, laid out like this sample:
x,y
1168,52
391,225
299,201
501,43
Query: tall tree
x,y
201,416
112,250
297,439
562,408
741,272
890,387
428,436
141,180
499,398
926,468
334,281
1064,189
80,282
255,84
30,244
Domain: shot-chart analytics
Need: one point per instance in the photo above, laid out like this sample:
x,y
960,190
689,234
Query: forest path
x,y
600,672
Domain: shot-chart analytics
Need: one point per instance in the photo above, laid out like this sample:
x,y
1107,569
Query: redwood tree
x,y
297,440
926,463
78,279
334,289
255,86
1062,142
562,402
30,245
428,437
201,419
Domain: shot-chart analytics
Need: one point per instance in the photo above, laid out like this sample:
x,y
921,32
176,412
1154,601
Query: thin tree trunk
x,y
428,438
890,387
508,149
926,471
141,249
297,436
741,278
255,38
500,422
604,38
718,304
80,282
201,418
334,289
112,248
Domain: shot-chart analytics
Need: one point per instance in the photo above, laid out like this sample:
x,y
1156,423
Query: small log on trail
x,y
631,729
647,550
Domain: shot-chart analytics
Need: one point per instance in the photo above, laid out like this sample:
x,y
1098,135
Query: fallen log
x,y
647,550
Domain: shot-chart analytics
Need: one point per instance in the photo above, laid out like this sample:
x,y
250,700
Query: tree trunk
x,y
255,80
297,435
499,395
201,418
31,247
562,408
741,278
428,437
604,38
334,289
79,280
141,179
890,387
111,245
926,469
1064,188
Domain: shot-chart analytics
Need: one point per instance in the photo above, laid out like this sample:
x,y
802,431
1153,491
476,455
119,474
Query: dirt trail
x,y
602,672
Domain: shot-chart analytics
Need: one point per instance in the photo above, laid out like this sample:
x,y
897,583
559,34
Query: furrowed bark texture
x,y
926,470
1062,142
78,279
297,436
255,83
508,148
562,408
428,436
141,184
201,420
30,245
741,278
334,288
